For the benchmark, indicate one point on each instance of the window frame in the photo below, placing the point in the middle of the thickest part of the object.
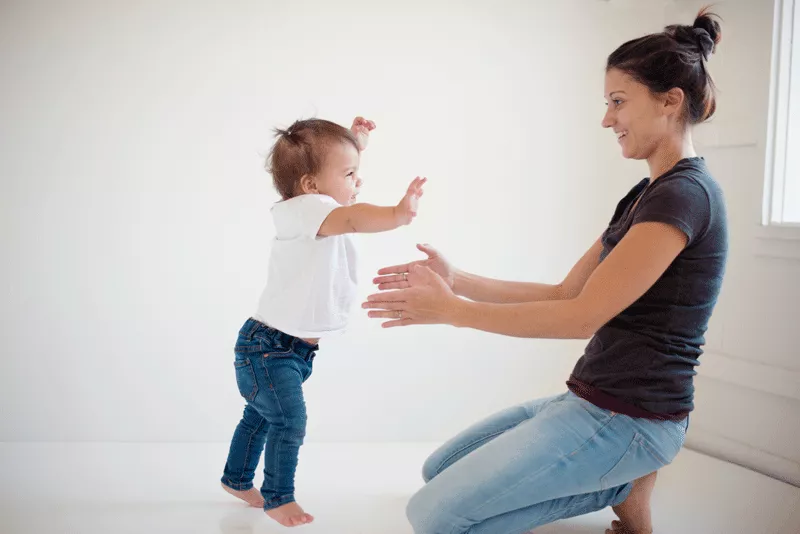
(785, 43)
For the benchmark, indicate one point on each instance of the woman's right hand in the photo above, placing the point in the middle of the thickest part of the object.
(396, 277)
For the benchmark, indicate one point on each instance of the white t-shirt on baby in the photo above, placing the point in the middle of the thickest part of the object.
(312, 282)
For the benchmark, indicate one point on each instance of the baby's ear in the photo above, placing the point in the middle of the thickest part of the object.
(308, 185)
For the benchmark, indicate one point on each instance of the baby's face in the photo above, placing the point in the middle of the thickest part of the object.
(339, 176)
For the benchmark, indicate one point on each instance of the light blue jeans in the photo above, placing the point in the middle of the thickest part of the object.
(536, 463)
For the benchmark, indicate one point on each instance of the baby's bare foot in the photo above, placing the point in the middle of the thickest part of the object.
(252, 496)
(290, 515)
(634, 511)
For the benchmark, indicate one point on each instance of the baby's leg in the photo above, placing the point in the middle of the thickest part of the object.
(243, 455)
(283, 406)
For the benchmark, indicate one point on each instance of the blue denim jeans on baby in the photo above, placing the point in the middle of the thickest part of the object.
(271, 367)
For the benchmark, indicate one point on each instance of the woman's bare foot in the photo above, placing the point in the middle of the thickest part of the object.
(252, 496)
(634, 511)
(290, 515)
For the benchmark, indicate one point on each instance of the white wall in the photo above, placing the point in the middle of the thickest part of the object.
(136, 231)
(748, 389)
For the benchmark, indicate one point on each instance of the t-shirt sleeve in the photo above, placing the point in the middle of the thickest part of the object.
(678, 201)
(303, 216)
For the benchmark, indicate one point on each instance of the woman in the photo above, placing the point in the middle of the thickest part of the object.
(643, 293)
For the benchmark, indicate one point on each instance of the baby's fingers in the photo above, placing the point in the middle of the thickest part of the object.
(416, 184)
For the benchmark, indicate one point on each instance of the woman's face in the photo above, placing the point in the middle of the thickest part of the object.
(640, 119)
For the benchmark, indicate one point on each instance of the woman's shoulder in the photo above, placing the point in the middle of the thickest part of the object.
(691, 177)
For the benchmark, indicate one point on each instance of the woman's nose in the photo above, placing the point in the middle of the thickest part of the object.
(607, 122)
(359, 181)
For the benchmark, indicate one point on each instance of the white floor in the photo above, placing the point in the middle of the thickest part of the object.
(350, 488)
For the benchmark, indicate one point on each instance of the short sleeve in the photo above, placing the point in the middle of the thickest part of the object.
(302, 216)
(678, 201)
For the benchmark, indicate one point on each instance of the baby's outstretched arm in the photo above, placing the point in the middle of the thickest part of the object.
(368, 218)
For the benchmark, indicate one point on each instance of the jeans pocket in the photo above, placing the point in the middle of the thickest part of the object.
(639, 460)
(246, 379)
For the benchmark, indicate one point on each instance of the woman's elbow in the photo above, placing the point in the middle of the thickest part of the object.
(586, 320)
(585, 330)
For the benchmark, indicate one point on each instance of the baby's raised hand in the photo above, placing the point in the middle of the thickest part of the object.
(361, 128)
(406, 210)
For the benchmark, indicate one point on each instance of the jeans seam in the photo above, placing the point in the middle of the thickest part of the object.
(283, 430)
(283, 499)
(655, 454)
(247, 450)
(275, 458)
(254, 390)
(637, 439)
(465, 447)
(564, 511)
(550, 466)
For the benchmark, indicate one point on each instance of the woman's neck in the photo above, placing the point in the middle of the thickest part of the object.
(669, 153)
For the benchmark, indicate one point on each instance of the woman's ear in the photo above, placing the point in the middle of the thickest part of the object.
(308, 185)
(673, 101)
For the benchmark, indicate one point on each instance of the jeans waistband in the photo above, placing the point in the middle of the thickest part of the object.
(302, 348)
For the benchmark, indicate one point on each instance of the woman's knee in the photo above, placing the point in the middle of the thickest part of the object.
(421, 515)
(429, 515)
(431, 468)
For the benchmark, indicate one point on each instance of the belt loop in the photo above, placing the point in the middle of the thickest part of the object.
(252, 330)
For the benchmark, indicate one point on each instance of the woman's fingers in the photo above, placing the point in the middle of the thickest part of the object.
(391, 278)
(391, 271)
(383, 305)
(427, 249)
(385, 286)
(395, 269)
(398, 322)
(383, 314)
(387, 273)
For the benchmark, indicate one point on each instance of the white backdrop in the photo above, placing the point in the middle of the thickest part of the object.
(135, 209)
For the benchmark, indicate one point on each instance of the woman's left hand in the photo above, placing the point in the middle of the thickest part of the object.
(427, 300)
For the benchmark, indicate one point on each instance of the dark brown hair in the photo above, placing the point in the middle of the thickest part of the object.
(673, 58)
(300, 150)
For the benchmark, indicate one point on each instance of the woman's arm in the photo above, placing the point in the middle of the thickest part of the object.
(481, 289)
(634, 265)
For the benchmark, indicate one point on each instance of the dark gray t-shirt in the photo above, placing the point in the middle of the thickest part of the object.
(641, 363)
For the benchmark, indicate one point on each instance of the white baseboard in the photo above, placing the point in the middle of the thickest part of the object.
(743, 376)
(702, 440)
